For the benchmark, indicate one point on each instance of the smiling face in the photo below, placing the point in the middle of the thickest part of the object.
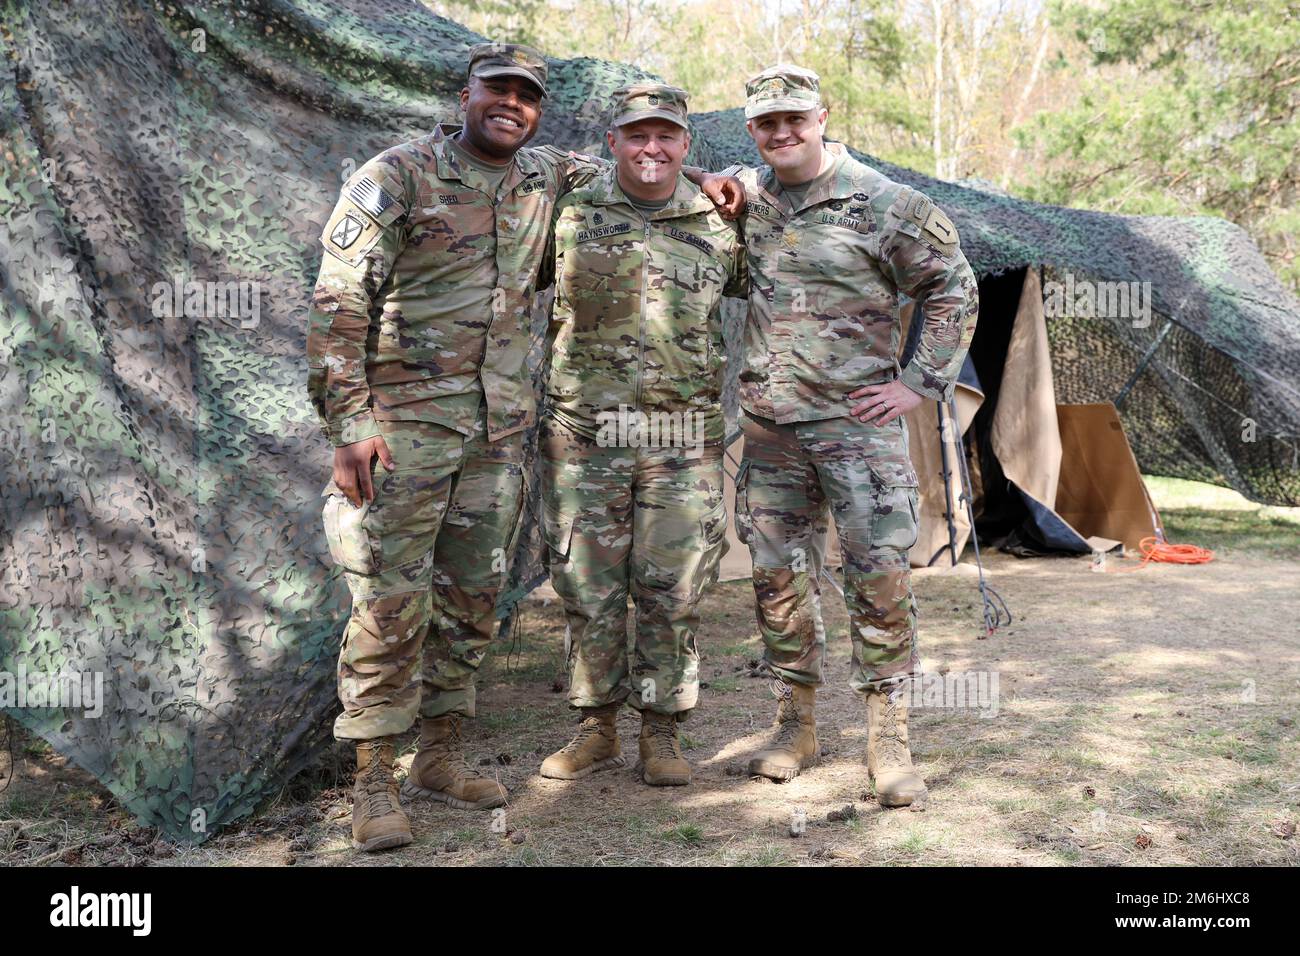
(649, 156)
(501, 114)
(791, 143)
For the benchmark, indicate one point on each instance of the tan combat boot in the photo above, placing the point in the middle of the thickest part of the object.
(439, 771)
(594, 747)
(662, 763)
(378, 822)
(889, 761)
(794, 748)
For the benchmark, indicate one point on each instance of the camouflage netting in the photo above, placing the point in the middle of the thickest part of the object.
(162, 468)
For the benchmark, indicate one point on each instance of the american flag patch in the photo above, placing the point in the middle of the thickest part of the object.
(371, 196)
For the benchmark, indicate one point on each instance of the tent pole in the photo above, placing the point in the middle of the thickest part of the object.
(1147, 356)
(946, 471)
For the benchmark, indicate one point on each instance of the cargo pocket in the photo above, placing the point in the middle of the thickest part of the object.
(557, 532)
(350, 543)
(744, 522)
(714, 525)
(516, 529)
(713, 528)
(894, 524)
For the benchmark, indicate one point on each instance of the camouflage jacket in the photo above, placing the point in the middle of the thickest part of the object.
(637, 320)
(421, 310)
(823, 306)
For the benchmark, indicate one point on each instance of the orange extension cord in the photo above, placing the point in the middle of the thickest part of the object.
(1153, 549)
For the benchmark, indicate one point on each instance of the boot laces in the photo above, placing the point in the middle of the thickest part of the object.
(891, 738)
(454, 753)
(788, 723)
(663, 738)
(376, 787)
(787, 715)
(590, 727)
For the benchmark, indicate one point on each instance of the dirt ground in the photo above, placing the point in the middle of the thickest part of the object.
(1143, 718)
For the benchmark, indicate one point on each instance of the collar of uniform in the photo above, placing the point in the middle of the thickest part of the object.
(449, 166)
(688, 199)
(839, 182)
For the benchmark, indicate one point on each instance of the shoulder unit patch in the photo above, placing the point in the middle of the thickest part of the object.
(934, 225)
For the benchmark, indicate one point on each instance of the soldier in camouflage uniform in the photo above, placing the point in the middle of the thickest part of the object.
(631, 441)
(418, 336)
(831, 243)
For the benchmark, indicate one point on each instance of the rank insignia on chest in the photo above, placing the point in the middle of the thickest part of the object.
(603, 232)
(598, 218)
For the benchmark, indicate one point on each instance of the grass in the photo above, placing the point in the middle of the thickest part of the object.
(749, 648)
(688, 834)
(36, 747)
(767, 856)
(27, 805)
(916, 840)
(1222, 519)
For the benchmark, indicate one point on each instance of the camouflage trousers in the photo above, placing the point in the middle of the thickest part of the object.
(793, 477)
(425, 561)
(649, 522)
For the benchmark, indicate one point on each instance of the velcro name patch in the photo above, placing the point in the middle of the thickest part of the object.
(698, 242)
(604, 232)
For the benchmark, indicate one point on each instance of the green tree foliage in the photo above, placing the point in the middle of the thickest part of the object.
(1177, 107)
(1182, 108)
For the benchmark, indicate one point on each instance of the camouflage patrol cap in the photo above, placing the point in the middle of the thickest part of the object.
(782, 88)
(508, 59)
(641, 101)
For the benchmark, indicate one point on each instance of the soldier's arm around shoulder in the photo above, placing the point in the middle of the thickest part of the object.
(552, 272)
(573, 170)
(361, 240)
(738, 275)
(921, 252)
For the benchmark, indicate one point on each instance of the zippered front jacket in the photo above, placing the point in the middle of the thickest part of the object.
(825, 280)
(637, 323)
